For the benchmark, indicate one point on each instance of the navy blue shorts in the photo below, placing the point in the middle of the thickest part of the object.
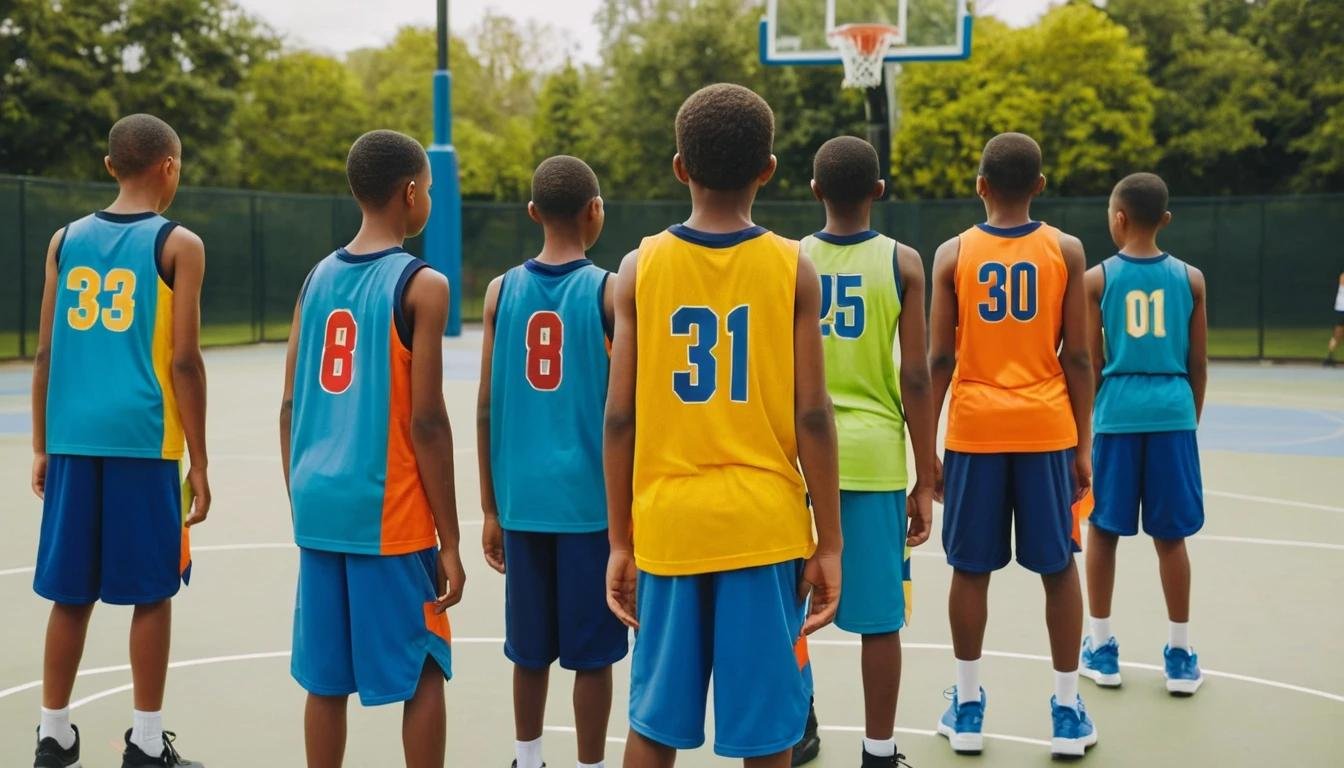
(111, 531)
(1156, 470)
(988, 495)
(555, 601)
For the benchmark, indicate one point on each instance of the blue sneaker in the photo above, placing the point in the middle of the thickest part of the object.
(962, 724)
(1074, 731)
(1182, 668)
(1101, 665)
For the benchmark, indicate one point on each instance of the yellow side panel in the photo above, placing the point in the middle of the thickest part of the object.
(163, 371)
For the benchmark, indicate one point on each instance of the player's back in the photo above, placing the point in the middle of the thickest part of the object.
(354, 482)
(1146, 306)
(716, 479)
(860, 311)
(110, 390)
(1009, 394)
(548, 389)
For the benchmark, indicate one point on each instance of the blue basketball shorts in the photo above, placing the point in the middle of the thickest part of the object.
(555, 601)
(988, 495)
(873, 562)
(1158, 471)
(738, 627)
(111, 531)
(366, 624)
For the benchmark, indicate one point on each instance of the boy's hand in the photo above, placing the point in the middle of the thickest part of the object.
(40, 475)
(1082, 474)
(621, 580)
(937, 479)
(919, 508)
(451, 578)
(821, 579)
(200, 488)
(492, 542)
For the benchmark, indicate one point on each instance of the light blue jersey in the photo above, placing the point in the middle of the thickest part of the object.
(110, 390)
(1146, 307)
(548, 390)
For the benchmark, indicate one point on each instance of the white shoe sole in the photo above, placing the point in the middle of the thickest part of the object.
(1073, 747)
(1105, 681)
(962, 743)
(1184, 687)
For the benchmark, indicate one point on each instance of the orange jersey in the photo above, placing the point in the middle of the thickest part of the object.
(1008, 392)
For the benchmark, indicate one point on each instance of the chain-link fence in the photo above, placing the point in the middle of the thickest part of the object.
(1272, 263)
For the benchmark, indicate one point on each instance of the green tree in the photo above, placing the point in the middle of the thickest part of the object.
(564, 116)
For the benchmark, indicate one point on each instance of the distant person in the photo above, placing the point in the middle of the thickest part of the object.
(544, 369)
(1152, 365)
(718, 395)
(872, 295)
(1009, 337)
(1338, 335)
(118, 387)
(368, 459)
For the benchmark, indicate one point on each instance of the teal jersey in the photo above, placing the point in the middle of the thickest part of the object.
(1146, 307)
(860, 313)
(110, 388)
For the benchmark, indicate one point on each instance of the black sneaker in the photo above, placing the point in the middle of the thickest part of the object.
(807, 748)
(893, 761)
(134, 757)
(50, 754)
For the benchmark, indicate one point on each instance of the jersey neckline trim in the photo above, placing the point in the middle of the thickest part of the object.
(125, 218)
(716, 239)
(854, 239)
(1022, 230)
(555, 270)
(364, 258)
(1141, 260)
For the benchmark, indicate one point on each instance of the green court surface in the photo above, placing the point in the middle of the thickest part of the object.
(1268, 573)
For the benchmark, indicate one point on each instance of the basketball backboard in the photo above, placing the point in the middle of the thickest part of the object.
(794, 31)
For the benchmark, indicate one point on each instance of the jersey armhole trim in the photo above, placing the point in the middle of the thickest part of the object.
(896, 270)
(499, 301)
(608, 323)
(404, 330)
(160, 240)
(65, 232)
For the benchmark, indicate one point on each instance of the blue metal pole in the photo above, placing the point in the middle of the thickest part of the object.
(443, 235)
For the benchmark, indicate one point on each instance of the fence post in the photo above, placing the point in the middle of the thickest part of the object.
(23, 268)
(258, 271)
(1260, 290)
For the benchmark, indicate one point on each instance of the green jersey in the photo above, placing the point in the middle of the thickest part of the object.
(860, 310)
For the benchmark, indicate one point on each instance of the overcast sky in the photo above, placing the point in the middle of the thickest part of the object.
(337, 26)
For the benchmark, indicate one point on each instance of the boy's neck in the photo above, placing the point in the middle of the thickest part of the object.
(851, 222)
(132, 198)
(720, 211)
(1007, 215)
(377, 233)
(562, 246)
(1142, 247)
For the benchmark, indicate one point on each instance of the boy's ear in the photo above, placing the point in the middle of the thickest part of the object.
(679, 169)
(408, 194)
(107, 163)
(1040, 186)
(769, 172)
(1165, 220)
(532, 212)
(981, 187)
(595, 208)
(816, 191)
(880, 189)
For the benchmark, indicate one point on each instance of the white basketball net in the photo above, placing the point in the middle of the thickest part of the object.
(862, 48)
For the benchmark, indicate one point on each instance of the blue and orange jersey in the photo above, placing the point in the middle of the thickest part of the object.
(110, 391)
(716, 479)
(1146, 306)
(548, 391)
(354, 482)
(1008, 393)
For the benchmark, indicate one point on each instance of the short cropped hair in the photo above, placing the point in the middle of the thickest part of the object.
(381, 163)
(562, 186)
(1143, 197)
(725, 134)
(846, 170)
(138, 142)
(1011, 163)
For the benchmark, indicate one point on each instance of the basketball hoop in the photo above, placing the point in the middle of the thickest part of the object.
(862, 48)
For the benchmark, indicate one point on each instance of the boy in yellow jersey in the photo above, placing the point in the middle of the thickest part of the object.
(118, 388)
(872, 292)
(717, 394)
(1010, 338)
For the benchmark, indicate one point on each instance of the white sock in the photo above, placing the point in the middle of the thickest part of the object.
(1101, 631)
(147, 732)
(1178, 635)
(528, 753)
(56, 725)
(968, 681)
(1066, 688)
(879, 747)
(602, 764)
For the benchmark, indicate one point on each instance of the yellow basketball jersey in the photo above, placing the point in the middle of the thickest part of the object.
(716, 479)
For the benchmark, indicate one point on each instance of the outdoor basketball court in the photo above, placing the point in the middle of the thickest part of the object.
(1269, 570)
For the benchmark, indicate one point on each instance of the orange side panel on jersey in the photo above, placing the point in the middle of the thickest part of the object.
(800, 652)
(408, 522)
(438, 623)
(1082, 510)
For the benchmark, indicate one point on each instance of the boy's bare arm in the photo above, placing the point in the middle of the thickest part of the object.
(1094, 282)
(431, 432)
(618, 447)
(42, 366)
(287, 398)
(1076, 360)
(1199, 341)
(492, 536)
(184, 255)
(943, 338)
(917, 394)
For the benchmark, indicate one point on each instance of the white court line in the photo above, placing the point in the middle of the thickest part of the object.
(1273, 500)
(1274, 542)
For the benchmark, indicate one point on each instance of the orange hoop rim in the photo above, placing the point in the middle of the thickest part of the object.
(866, 37)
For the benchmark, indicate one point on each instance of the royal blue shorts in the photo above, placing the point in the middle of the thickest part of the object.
(555, 601)
(1156, 470)
(988, 495)
(738, 627)
(873, 562)
(111, 531)
(366, 624)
